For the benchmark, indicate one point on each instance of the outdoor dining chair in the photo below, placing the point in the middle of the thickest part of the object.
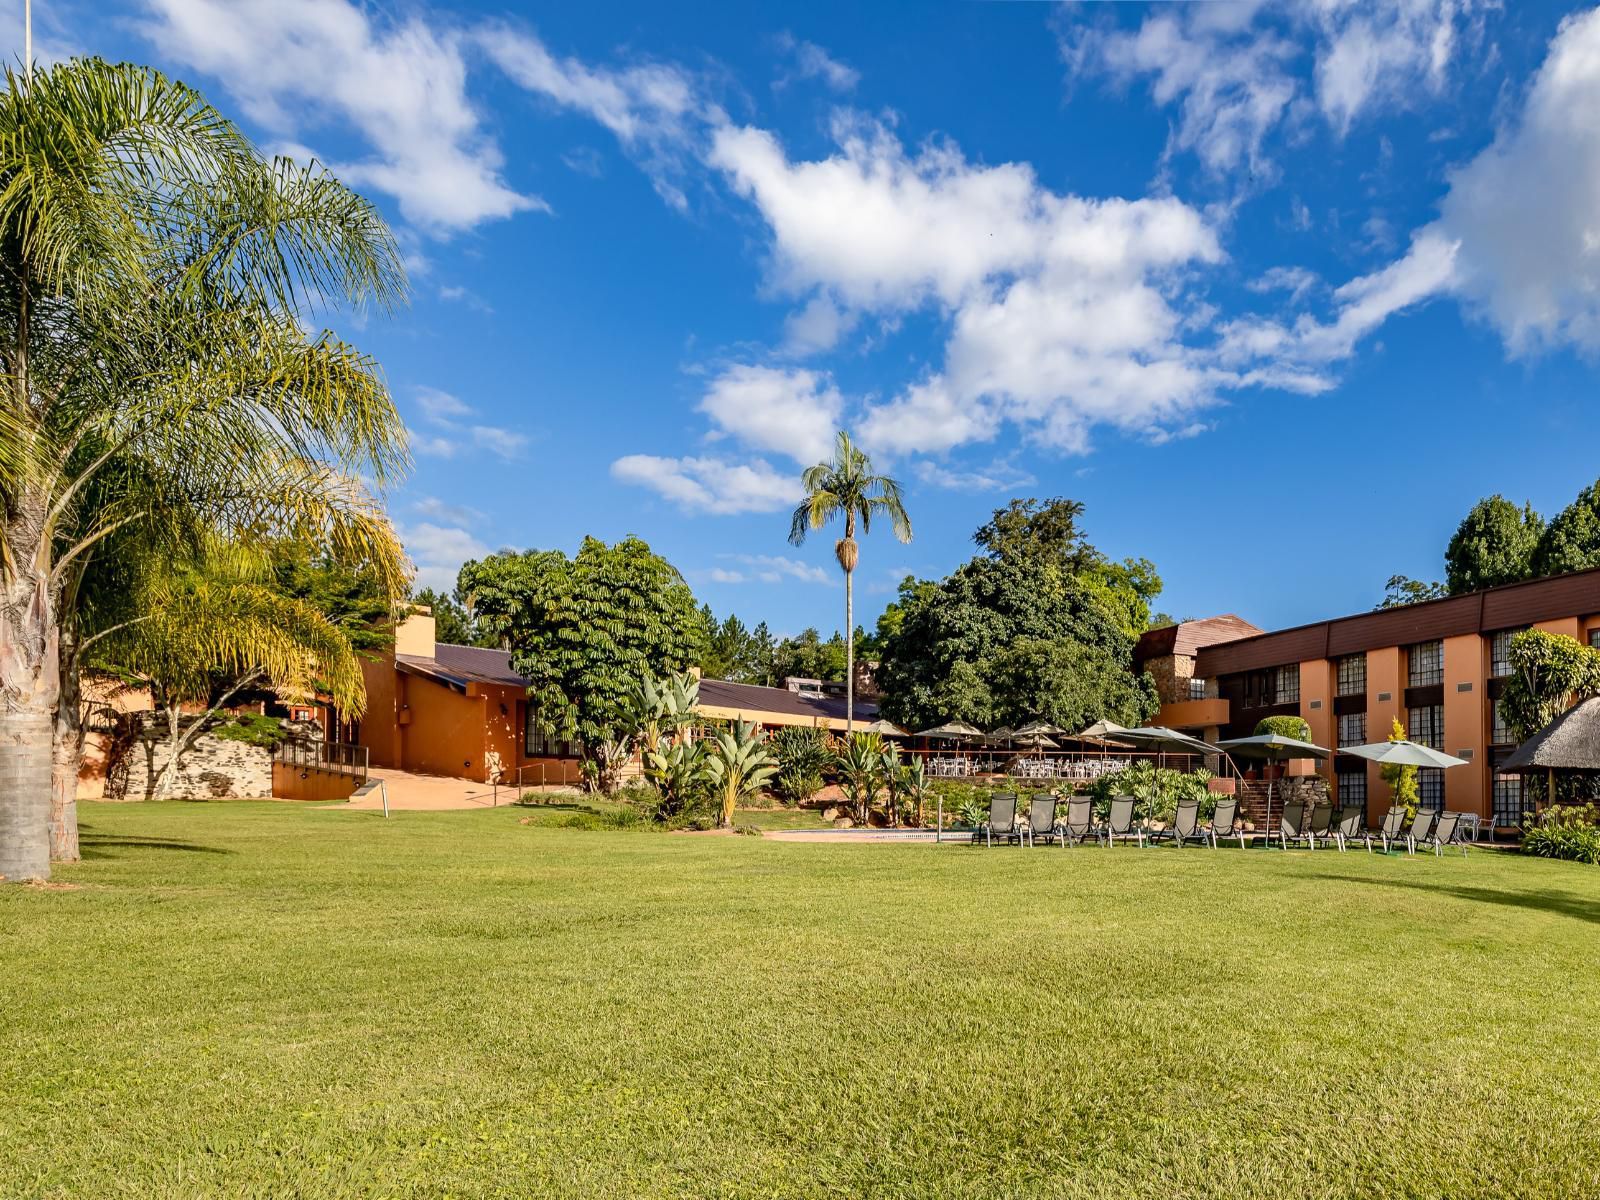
(1351, 826)
(1225, 822)
(1122, 822)
(1042, 818)
(1002, 819)
(1080, 820)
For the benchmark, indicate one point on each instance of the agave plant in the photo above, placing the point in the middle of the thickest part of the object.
(861, 771)
(739, 766)
(909, 787)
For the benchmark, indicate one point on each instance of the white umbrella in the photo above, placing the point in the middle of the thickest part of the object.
(1404, 754)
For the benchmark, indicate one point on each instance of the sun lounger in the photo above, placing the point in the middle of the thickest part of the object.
(1122, 822)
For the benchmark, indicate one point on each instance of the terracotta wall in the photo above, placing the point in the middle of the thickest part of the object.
(1316, 707)
(1466, 664)
(1385, 677)
(293, 783)
(379, 733)
(442, 731)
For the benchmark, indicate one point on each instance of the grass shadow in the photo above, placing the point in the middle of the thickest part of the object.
(99, 845)
(1565, 904)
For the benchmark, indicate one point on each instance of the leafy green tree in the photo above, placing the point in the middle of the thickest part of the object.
(739, 765)
(355, 598)
(205, 639)
(585, 631)
(1402, 590)
(846, 487)
(1572, 541)
(452, 624)
(1494, 544)
(1548, 672)
(809, 657)
(157, 278)
(802, 754)
(1285, 726)
(763, 651)
(911, 592)
(1039, 625)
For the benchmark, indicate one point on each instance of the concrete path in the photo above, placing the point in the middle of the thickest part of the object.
(409, 792)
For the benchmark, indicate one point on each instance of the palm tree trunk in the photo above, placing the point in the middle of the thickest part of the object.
(29, 687)
(67, 758)
(849, 653)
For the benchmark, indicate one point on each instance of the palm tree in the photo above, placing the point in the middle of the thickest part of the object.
(846, 486)
(157, 386)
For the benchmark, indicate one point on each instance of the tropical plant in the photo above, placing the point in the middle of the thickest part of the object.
(1564, 831)
(584, 631)
(205, 639)
(156, 279)
(739, 766)
(907, 782)
(1157, 789)
(679, 773)
(802, 754)
(1287, 726)
(1494, 544)
(664, 707)
(1548, 671)
(860, 767)
(846, 486)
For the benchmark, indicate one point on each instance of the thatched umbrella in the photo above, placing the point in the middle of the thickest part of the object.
(1569, 743)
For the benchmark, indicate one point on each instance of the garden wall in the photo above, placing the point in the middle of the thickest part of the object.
(211, 768)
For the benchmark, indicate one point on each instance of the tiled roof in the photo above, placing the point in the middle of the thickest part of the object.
(457, 666)
(1187, 637)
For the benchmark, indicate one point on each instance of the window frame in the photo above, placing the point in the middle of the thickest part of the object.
(1433, 675)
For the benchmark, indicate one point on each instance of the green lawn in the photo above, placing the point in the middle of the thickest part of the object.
(266, 1000)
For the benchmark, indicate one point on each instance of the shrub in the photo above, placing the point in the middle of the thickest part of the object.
(1157, 789)
(1570, 832)
(1289, 727)
(251, 728)
(802, 755)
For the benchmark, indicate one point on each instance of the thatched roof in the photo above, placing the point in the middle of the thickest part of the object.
(1569, 743)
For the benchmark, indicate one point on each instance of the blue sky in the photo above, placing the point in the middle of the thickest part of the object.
(1277, 291)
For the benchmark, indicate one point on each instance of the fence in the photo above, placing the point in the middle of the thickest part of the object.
(338, 758)
(1076, 765)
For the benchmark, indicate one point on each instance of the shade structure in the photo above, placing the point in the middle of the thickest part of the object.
(1045, 728)
(1101, 730)
(1036, 741)
(1004, 734)
(1164, 740)
(1273, 747)
(1569, 743)
(1404, 754)
(884, 729)
(958, 730)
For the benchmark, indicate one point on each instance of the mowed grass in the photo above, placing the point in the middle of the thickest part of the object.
(254, 1000)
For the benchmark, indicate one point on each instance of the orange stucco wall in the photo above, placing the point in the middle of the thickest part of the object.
(1316, 688)
(441, 731)
(378, 731)
(1466, 663)
(1383, 678)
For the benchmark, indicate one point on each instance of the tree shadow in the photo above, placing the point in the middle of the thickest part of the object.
(102, 845)
(1565, 904)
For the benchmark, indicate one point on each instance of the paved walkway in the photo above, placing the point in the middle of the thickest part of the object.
(410, 792)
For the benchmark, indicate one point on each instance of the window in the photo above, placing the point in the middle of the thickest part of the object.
(1353, 788)
(1353, 729)
(1507, 800)
(1594, 637)
(538, 744)
(1197, 689)
(1499, 731)
(1425, 726)
(1426, 661)
(1353, 675)
(1500, 653)
(1430, 787)
(1286, 684)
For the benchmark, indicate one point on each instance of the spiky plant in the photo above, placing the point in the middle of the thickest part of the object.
(860, 765)
(739, 765)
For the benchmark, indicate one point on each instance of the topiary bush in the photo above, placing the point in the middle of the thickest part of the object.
(1289, 727)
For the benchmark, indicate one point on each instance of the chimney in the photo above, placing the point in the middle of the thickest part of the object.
(414, 635)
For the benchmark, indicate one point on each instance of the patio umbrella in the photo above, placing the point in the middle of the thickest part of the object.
(1166, 741)
(1405, 754)
(1033, 727)
(1275, 748)
(1036, 741)
(1004, 734)
(957, 730)
(884, 729)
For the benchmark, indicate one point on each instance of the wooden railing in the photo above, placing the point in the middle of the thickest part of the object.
(338, 758)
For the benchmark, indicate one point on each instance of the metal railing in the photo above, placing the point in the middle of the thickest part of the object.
(339, 758)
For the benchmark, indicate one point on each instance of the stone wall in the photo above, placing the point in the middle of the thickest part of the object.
(1172, 673)
(211, 768)
(1309, 790)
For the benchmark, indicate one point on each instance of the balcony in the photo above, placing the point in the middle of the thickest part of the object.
(1193, 714)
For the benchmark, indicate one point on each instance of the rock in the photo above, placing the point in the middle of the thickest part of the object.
(843, 823)
(831, 813)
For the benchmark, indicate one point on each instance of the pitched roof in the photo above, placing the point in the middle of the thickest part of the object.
(1569, 743)
(753, 698)
(457, 666)
(1187, 637)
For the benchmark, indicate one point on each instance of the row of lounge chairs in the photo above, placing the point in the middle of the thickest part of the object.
(1429, 830)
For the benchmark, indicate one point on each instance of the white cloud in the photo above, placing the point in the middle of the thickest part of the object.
(457, 294)
(438, 552)
(780, 568)
(723, 575)
(402, 86)
(711, 485)
(1232, 69)
(816, 327)
(791, 411)
(442, 510)
(811, 61)
(453, 432)
(998, 476)
(1297, 281)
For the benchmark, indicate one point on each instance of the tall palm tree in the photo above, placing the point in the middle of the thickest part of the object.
(845, 486)
(157, 385)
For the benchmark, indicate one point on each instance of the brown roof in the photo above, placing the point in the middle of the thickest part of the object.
(1187, 637)
(753, 698)
(458, 666)
(1508, 606)
(1569, 743)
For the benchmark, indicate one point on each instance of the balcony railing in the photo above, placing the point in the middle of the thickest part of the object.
(338, 758)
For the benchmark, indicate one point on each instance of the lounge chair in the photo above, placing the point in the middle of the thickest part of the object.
(1352, 826)
(1041, 818)
(1185, 825)
(1002, 819)
(1225, 822)
(1321, 822)
(1122, 822)
(1389, 833)
(1421, 829)
(1445, 832)
(1292, 826)
(1080, 820)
